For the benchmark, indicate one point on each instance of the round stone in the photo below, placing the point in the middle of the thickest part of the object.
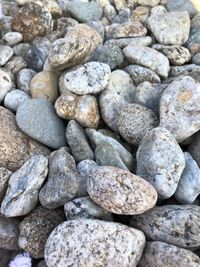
(14, 98)
(13, 38)
(6, 52)
(5, 84)
(24, 78)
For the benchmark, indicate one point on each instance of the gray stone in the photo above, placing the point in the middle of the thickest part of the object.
(123, 16)
(160, 161)
(24, 184)
(158, 10)
(196, 59)
(5, 84)
(150, 3)
(15, 64)
(38, 119)
(194, 148)
(4, 178)
(174, 224)
(133, 41)
(97, 25)
(42, 264)
(5, 256)
(24, 78)
(184, 70)
(194, 40)
(86, 243)
(6, 52)
(182, 5)
(14, 98)
(63, 180)
(13, 38)
(21, 49)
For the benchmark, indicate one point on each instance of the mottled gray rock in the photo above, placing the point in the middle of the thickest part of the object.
(160, 254)
(158, 10)
(160, 161)
(86, 242)
(38, 119)
(85, 208)
(179, 108)
(15, 64)
(24, 184)
(119, 191)
(21, 49)
(194, 148)
(170, 28)
(13, 38)
(134, 41)
(184, 70)
(148, 57)
(24, 78)
(14, 98)
(150, 3)
(140, 74)
(174, 224)
(181, 5)
(97, 25)
(4, 178)
(123, 16)
(63, 180)
(196, 59)
(5, 84)
(36, 228)
(5, 256)
(6, 52)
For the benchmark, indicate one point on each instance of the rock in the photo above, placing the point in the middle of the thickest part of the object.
(21, 49)
(160, 161)
(140, 74)
(14, 98)
(4, 178)
(189, 185)
(182, 5)
(85, 208)
(9, 233)
(174, 224)
(5, 256)
(6, 52)
(15, 64)
(120, 191)
(42, 264)
(150, 3)
(170, 28)
(119, 92)
(194, 147)
(148, 57)
(160, 254)
(5, 84)
(109, 15)
(45, 85)
(158, 10)
(83, 109)
(97, 25)
(184, 70)
(78, 142)
(179, 108)
(84, 11)
(24, 78)
(91, 78)
(140, 13)
(133, 41)
(36, 228)
(32, 20)
(86, 242)
(63, 180)
(135, 121)
(13, 38)
(38, 119)
(15, 144)
(193, 41)
(53, 8)
(196, 59)
(22, 194)
(123, 16)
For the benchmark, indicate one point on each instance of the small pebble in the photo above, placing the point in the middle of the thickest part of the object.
(14, 98)
(13, 38)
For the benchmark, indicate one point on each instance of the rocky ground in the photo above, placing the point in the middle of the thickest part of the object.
(99, 133)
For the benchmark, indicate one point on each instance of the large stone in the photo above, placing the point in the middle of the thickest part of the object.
(5, 84)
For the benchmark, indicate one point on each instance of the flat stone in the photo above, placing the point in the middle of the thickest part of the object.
(6, 52)
(86, 242)
(24, 78)
(24, 184)
(38, 119)
(182, 5)
(14, 98)
(5, 84)
(133, 41)
(150, 3)
(4, 178)
(13, 38)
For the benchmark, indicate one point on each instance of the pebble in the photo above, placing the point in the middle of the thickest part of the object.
(4, 178)
(36, 228)
(140, 13)
(194, 147)
(182, 5)
(13, 38)
(174, 224)
(37, 118)
(86, 242)
(196, 59)
(160, 161)
(14, 98)
(123, 16)
(179, 108)
(63, 180)
(15, 64)
(24, 184)
(148, 57)
(170, 28)
(150, 3)
(98, 26)
(5, 84)
(185, 70)
(133, 41)
(6, 52)
(158, 10)
(24, 78)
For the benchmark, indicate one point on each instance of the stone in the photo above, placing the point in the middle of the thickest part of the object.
(63, 180)
(119, 92)
(13, 38)
(15, 64)
(140, 74)
(160, 161)
(15, 144)
(21, 49)
(84, 11)
(194, 147)
(90, 78)
(53, 8)
(37, 118)
(24, 184)
(42, 264)
(189, 184)
(119, 4)
(14, 98)
(109, 15)
(158, 10)
(5, 84)
(86, 242)
(45, 85)
(5, 25)
(149, 58)
(98, 26)
(150, 3)
(187, 69)
(24, 78)
(193, 41)
(182, 5)
(133, 41)
(83, 109)
(6, 52)
(196, 59)
(135, 121)
(140, 13)
(4, 178)
(170, 28)
(123, 16)
(174, 224)
(36, 228)
(179, 108)
(32, 20)
(78, 142)
(160, 254)
(119, 191)
(85, 208)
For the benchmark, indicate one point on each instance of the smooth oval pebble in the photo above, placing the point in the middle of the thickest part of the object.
(13, 38)
(14, 98)
(94, 243)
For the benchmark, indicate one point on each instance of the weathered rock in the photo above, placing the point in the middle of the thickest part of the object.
(150, 3)
(182, 5)
(5, 84)
(22, 194)
(14, 98)
(97, 25)
(4, 178)
(6, 52)
(158, 10)
(196, 59)
(133, 41)
(24, 78)
(13, 38)
(86, 242)
(36, 228)
(140, 13)
(15, 64)
(184, 70)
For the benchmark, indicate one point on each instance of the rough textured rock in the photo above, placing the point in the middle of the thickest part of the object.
(181, 5)
(24, 78)
(160, 161)
(6, 52)
(36, 228)
(22, 194)
(5, 84)
(120, 191)
(13, 38)
(63, 180)
(4, 178)
(86, 242)
(14, 98)
(173, 224)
